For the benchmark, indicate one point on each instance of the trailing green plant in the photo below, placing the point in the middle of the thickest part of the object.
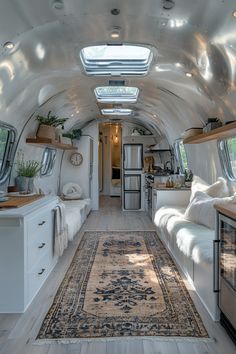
(188, 175)
(29, 168)
(51, 120)
(75, 134)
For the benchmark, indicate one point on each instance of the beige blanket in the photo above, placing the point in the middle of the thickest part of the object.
(60, 230)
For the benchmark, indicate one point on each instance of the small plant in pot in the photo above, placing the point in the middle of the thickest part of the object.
(47, 125)
(75, 134)
(188, 177)
(26, 172)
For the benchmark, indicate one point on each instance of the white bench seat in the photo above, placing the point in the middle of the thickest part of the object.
(192, 247)
(76, 212)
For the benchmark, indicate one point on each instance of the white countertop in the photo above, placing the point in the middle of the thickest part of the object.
(27, 209)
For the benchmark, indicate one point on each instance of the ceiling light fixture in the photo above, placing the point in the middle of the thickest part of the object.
(115, 139)
(115, 32)
(115, 12)
(168, 4)
(189, 74)
(8, 45)
(58, 4)
(234, 13)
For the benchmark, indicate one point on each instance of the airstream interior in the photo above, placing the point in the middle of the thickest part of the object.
(117, 144)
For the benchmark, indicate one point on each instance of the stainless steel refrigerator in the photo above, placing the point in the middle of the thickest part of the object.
(132, 169)
(133, 157)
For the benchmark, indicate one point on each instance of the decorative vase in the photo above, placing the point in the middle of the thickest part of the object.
(25, 184)
(58, 134)
(46, 131)
(188, 184)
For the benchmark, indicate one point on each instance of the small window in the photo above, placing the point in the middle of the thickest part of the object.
(181, 155)
(48, 161)
(7, 140)
(116, 59)
(117, 94)
(227, 150)
(117, 111)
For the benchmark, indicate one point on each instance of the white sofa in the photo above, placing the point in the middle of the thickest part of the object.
(191, 245)
(76, 212)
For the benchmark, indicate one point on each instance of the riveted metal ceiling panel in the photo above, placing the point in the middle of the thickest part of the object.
(44, 70)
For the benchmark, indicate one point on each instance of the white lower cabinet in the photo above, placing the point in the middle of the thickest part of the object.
(26, 253)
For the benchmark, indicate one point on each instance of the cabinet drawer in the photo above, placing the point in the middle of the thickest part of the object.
(40, 237)
(40, 223)
(39, 248)
(38, 274)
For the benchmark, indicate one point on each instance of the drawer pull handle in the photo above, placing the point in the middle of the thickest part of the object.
(42, 245)
(42, 271)
(42, 223)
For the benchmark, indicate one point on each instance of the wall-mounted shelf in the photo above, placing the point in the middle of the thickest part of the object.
(50, 143)
(226, 131)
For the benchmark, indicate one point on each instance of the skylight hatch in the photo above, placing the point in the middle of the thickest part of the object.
(117, 94)
(116, 60)
(117, 111)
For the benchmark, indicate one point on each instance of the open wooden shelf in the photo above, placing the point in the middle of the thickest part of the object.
(50, 143)
(226, 131)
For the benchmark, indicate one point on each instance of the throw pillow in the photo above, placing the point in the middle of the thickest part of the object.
(218, 189)
(201, 209)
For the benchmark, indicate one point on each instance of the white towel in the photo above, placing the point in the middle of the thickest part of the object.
(60, 230)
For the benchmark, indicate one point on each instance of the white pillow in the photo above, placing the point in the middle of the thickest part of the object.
(72, 191)
(218, 189)
(201, 209)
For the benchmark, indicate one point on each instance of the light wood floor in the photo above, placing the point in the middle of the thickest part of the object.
(17, 332)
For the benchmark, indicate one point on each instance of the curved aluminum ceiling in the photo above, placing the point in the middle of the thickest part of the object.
(44, 71)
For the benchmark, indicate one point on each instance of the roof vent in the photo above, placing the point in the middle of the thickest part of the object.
(121, 94)
(116, 59)
(117, 111)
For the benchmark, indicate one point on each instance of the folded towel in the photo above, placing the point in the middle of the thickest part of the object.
(60, 230)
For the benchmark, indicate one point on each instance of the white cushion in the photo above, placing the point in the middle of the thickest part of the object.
(72, 191)
(193, 240)
(218, 189)
(201, 209)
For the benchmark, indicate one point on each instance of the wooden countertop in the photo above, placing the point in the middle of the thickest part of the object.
(227, 209)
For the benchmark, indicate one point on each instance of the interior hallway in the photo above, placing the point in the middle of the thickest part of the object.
(17, 332)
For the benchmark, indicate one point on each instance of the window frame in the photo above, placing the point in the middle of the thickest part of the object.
(48, 162)
(179, 156)
(225, 159)
(8, 156)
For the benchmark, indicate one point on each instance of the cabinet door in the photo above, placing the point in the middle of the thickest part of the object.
(132, 200)
(227, 230)
(132, 182)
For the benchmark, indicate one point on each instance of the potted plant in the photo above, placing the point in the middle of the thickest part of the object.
(26, 172)
(75, 134)
(47, 125)
(188, 177)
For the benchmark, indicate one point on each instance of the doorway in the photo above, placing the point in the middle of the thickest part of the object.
(110, 143)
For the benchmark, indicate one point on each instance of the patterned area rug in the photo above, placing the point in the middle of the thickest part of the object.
(121, 284)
